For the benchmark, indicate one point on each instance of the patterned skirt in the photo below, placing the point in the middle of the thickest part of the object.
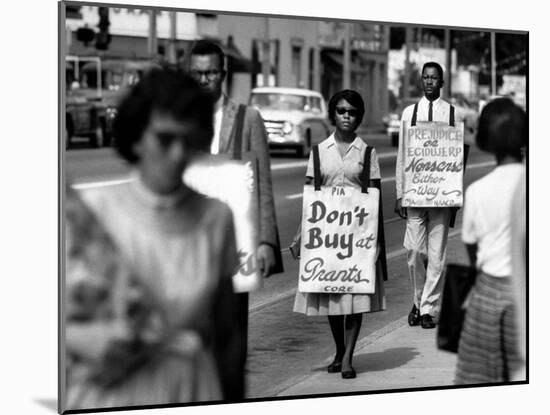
(320, 304)
(487, 351)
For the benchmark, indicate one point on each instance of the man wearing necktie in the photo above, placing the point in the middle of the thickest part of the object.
(207, 66)
(427, 228)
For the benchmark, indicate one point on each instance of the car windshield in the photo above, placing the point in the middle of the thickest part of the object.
(112, 80)
(284, 102)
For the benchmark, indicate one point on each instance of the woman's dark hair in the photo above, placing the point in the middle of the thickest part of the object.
(502, 129)
(167, 91)
(353, 98)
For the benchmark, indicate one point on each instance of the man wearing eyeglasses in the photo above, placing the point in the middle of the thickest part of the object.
(206, 65)
(427, 228)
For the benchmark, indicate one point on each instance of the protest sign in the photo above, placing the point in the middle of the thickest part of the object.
(234, 183)
(433, 164)
(339, 240)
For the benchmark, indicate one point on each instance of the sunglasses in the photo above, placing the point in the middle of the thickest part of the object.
(351, 111)
(210, 74)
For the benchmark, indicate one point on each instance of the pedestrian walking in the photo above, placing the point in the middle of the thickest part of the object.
(427, 228)
(488, 347)
(341, 158)
(239, 129)
(181, 248)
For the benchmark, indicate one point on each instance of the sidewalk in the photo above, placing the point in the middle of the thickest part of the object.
(396, 356)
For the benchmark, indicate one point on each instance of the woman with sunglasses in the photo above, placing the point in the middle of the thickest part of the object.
(341, 158)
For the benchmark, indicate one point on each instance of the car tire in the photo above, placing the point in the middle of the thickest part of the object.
(395, 139)
(97, 138)
(107, 139)
(69, 131)
(304, 150)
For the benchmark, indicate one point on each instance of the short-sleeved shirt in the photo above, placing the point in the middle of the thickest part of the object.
(343, 171)
(488, 218)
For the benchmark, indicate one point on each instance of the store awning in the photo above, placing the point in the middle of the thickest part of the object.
(236, 61)
(338, 58)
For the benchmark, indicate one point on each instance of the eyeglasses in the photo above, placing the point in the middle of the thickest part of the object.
(210, 74)
(351, 111)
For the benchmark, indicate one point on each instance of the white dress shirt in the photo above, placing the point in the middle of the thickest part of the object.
(218, 115)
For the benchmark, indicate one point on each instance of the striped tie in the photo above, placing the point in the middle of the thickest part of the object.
(430, 115)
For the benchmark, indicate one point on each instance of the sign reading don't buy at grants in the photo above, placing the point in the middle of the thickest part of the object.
(433, 164)
(339, 240)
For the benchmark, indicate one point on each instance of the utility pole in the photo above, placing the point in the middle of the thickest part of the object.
(317, 61)
(172, 42)
(493, 64)
(346, 76)
(152, 40)
(266, 64)
(407, 76)
(448, 63)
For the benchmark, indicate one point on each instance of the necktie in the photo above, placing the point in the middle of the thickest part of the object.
(430, 115)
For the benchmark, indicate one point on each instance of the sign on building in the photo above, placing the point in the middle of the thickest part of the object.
(433, 164)
(339, 240)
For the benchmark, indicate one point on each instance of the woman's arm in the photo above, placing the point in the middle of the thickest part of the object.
(91, 340)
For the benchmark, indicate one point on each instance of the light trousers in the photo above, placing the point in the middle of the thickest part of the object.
(426, 245)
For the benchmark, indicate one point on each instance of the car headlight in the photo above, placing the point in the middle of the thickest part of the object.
(287, 127)
(111, 112)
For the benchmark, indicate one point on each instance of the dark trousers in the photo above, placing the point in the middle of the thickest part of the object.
(242, 315)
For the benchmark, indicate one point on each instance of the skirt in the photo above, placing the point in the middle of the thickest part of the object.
(487, 350)
(320, 304)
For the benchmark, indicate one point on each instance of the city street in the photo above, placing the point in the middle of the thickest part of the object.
(285, 346)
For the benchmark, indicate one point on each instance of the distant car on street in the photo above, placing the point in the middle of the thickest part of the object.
(294, 118)
(392, 121)
(94, 89)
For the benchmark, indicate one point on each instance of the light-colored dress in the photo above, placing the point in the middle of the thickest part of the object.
(182, 250)
(342, 171)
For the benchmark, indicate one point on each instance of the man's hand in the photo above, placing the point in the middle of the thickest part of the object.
(266, 259)
(400, 210)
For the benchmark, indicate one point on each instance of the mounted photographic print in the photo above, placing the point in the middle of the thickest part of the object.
(188, 143)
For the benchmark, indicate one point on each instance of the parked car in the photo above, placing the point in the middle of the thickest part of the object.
(294, 118)
(95, 88)
(392, 121)
(468, 110)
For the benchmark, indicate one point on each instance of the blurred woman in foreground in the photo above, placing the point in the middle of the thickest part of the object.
(180, 247)
(488, 349)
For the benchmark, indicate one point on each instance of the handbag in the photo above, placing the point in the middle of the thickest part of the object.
(459, 279)
(294, 246)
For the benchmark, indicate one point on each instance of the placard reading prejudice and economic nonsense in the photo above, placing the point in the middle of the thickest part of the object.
(339, 240)
(233, 182)
(433, 164)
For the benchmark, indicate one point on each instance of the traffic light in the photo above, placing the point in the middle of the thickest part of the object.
(103, 37)
(85, 35)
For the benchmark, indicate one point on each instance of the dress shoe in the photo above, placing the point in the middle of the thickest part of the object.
(334, 367)
(414, 316)
(427, 321)
(349, 374)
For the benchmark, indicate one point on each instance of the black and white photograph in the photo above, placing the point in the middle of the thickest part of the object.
(283, 210)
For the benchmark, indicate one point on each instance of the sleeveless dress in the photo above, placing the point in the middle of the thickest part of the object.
(342, 171)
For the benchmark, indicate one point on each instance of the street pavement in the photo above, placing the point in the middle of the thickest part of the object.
(396, 356)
